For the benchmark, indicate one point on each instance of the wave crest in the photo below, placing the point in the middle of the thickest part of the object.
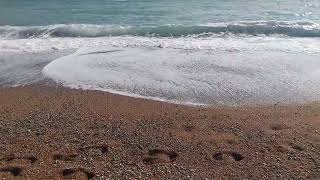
(264, 28)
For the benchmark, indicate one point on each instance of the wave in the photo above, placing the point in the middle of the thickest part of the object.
(261, 28)
(230, 44)
(191, 77)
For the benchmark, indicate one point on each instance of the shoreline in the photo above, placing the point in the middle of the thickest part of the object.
(56, 132)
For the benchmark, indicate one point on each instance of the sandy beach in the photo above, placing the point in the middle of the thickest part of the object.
(50, 132)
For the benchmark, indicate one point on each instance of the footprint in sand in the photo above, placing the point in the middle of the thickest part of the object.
(9, 171)
(291, 147)
(77, 173)
(97, 150)
(156, 156)
(12, 157)
(297, 147)
(88, 151)
(64, 157)
(225, 155)
(279, 127)
(188, 128)
(80, 173)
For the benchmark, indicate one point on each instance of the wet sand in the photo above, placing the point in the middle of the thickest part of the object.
(51, 132)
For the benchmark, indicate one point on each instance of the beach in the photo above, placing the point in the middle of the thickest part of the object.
(52, 132)
(171, 89)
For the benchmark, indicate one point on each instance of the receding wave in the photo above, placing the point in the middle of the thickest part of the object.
(264, 28)
(196, 77)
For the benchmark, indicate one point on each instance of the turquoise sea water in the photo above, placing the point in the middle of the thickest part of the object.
(153, 12)
(190, 51)
(163, 18)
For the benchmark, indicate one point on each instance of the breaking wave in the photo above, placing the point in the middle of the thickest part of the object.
(261, 28)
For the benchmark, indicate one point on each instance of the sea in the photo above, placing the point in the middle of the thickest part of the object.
(196, 52)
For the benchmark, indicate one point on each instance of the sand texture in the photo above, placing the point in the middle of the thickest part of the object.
(53, 133)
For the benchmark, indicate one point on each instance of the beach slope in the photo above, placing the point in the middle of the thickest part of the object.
(54, 132)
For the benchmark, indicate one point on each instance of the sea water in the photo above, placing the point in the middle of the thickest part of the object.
(226, 52)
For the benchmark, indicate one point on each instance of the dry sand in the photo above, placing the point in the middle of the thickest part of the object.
(54, 132)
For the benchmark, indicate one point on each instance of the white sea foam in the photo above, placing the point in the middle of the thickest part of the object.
(192, 76)
(277, 44)
(200, 70)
